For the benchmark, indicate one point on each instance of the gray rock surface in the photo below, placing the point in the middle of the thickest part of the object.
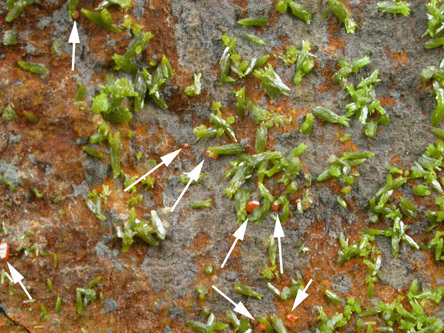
(395, 48)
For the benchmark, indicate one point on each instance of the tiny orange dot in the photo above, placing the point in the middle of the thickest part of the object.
(75, 15)
(186, 145)
(291, 318)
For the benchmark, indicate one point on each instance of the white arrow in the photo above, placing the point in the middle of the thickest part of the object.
(301, 295)
(239, 234)
(17, 277)
(166, 159)
(279, 233)
(74, 39)
(194, 176)
(239, 307)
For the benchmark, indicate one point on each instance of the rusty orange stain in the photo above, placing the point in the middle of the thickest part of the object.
(400, 57)
(335, 43)
(395, 160)
(327, 72)
(200, 242)
(387, 101)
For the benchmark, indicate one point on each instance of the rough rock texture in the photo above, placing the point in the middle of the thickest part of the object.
(154, 287)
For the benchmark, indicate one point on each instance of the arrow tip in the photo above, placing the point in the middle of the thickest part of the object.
(16, 276)
(195, 173)
(240, 308)
(240, 233)
(74, 36)
(300, 297)
(278, 232)
(168, 158)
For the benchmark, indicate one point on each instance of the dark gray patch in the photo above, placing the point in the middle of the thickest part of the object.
(102, 249)
(96, 171)
(110, 305)
(32, 158)
(81, 189)
(139, 9)
(341, 283)
(13, 139)
(11, 171)
(394, 271)
(30, 49)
